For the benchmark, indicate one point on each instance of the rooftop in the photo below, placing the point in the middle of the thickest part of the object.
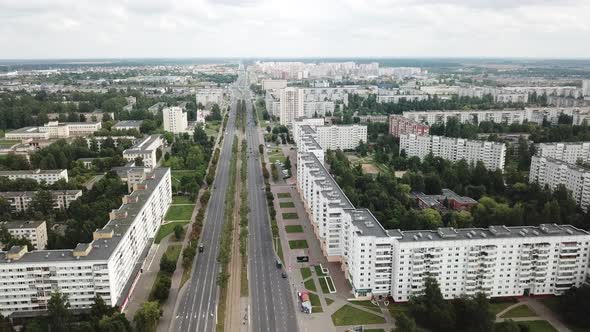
(32, 171)
(22, 224)
(128, 123)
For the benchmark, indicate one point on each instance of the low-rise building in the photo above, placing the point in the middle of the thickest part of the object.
(49, 176)
(492, 154)
(34, 231)
(146, 149)
(20, 201)
(274, 84)
(108, 266)
(209, 96)
(448, 199)
(399, 125)
(55, 129)
(128, 125)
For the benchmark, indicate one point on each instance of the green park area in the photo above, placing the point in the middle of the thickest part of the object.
(349, 315)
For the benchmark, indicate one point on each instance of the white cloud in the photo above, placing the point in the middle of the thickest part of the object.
(294, 28)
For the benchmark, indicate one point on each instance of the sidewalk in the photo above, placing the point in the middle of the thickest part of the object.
(543, 313)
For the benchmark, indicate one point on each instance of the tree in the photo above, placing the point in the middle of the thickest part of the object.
(403, 323)
(117, 322)
(99, 308)
(162, 288)
(287, 164)
(473, 314)
(167, 265)
(146, 318)
(58, 312)
(507, 326)
(138, 161)
(574, 306)
(34, 325)
(42, 202)
(430, 309)
(178, 232)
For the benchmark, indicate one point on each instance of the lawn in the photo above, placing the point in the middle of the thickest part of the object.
(276, 154)
(298, 244)
(496, 308)
(180, 212)
(522, 310)
(7, 143)
(367, 304)
(181, 200)
(374, 330)
(538, 326)
(319, 272)
(331, 286)
(279, 248)
(284, 195)
(315, 300)
(310, 285)
(173, 251)
(553, 304)
(305, 272)
(396, 308)
(212, 128)
(328, 300)
(287, 204)
(167, 229)
(294, 229)
(324, 285)
(176, 175)
(290, 215)
(349, 315)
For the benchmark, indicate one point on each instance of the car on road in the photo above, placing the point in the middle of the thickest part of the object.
(284, 274)
(201, 247)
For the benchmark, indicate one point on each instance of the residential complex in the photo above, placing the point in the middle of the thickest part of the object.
(146, 149)
(34, 231)
(399, 125)
(55, 129)
(128, 125)
(108, 266)
(492, 154)
(397, 98)
(499, 95)
(571, 153)
(509, 116)
(274, 84)
(20, 201)
(500, 261)
(49, 176)
(209, 96)
(175, 120)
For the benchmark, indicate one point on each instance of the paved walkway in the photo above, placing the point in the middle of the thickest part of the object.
(543, 313)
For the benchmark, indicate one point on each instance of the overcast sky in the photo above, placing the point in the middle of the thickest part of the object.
(299, 28)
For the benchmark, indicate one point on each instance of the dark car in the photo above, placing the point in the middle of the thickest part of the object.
(284, 274)
(201, 247)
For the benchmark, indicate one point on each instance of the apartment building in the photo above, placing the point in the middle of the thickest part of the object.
(146, 149)
(338, 94)
(20, 201)
(500, 261)
(99, 140)
(399, 125)
(310, 122)
(499, 95)
(128, 125)
(34, 231)
(344, 137)
(318, 108)
(291, 105)
(586, 88)
(553, 172)
(492, 154)
(209, 96)
(397, 98)
(274, 84)
(567, 152)
(49, 176)
(107, 266)
(175, 120)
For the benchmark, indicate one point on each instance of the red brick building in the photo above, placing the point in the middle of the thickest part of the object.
(398, 125)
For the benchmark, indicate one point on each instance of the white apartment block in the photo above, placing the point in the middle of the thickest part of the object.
(492, 154)
(272, 102)
(564, 151)
(397, 98)
(55, 129)
(341, 137)
(209, 96)
(146, 149)
(48, 176)
(107, 266)
(586, 88)
(21, 200)
(274, 84)
(291, 105)
(34, 231)
(500, 261)
(100, 139)
(339, 94)
(499, 95)
(553, 172)
(318, 108)
(175, 119)
(560, 91)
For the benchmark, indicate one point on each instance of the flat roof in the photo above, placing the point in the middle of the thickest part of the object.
(25, 130)
(32, 193)
(128, 123)
(32, 171)
(22, 224)
(492, 232)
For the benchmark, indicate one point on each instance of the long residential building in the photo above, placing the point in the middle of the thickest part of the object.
(108, 266)
(571, 153)
(146, 149)
(55, 129)
(346, 137)
(492, 154)
(553, 172)
(499, 261)
(21, 200)
(49, 176)
(580, 115)
(398, 125)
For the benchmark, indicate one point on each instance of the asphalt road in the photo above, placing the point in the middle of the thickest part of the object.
(271, 300)
(196, 308)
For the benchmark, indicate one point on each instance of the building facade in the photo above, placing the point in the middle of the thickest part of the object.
(49, 176)
(146, 149)
(399, 125)
(20, 201)
(492, 154)
(291, 105)
(34, 231)
(175, 120)
(346, 137)
(107, 266)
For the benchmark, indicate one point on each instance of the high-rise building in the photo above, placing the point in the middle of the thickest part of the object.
(175, 120)
(35, 231)
(586, 88)
(398, 125)
(291, 106)
(147, 150)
